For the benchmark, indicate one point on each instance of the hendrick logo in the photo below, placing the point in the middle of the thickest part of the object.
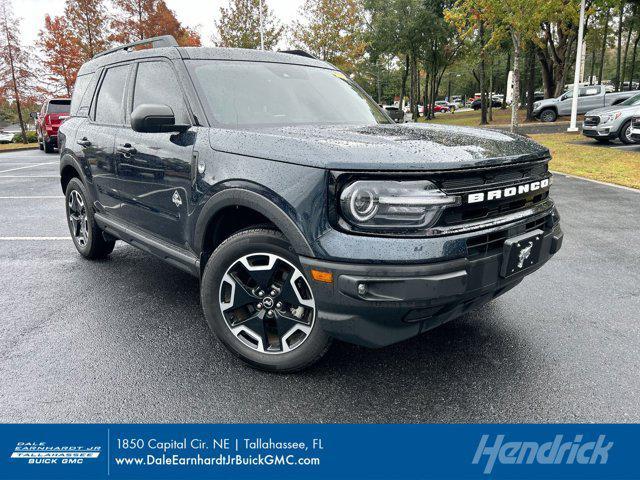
(550, 453)
(507, 192)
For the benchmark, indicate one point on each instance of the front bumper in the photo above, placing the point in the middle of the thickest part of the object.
(404, 300)
(601, 131)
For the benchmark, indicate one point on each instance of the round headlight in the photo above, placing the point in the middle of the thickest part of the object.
(363, 205)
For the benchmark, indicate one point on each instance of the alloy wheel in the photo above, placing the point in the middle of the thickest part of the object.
(78, 218)
(267, 303)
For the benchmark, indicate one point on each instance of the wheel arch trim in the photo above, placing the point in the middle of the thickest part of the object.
(68, 160)
(242, 197)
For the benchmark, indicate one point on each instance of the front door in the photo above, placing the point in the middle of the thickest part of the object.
(155, 169)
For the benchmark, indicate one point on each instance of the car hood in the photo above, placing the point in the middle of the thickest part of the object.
(379, 147)
(613, 108)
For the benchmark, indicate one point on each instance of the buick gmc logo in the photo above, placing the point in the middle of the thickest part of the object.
(507, 192)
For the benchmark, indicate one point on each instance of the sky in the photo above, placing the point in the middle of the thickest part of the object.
(198, 14)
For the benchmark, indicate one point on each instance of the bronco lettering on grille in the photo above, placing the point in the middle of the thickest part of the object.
(507, 192)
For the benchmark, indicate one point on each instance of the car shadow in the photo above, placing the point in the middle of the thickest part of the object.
(453, 373)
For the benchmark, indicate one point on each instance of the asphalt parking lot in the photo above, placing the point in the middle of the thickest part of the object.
(124, 340)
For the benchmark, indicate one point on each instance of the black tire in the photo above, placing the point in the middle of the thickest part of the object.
(623, 135)
(48, 148)
(237, 246)
(548, 115)
(94, 246)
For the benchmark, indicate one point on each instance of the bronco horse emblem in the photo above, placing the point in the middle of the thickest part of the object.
(524, 254)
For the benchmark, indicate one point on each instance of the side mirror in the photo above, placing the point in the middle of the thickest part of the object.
(34, 115)
(151, 118)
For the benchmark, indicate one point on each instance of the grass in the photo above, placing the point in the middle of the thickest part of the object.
(16, 146)
(575, 155)
(472, 118)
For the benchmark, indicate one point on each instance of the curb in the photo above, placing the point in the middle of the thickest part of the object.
(17, 149)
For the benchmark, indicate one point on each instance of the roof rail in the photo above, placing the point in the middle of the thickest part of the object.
(300, 53)
(156, 42)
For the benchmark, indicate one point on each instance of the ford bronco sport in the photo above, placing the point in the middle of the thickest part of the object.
(306, 212)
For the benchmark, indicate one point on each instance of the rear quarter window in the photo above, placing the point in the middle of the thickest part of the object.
(82, 94)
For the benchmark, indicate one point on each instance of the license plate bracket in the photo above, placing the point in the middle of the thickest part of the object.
(521, 252)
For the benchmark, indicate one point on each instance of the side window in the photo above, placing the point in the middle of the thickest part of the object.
(110, 103)
(82, 94)
(589, 91)
(156, 83)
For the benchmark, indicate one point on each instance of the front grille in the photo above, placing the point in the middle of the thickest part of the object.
(591, 121)
(462, 183)
(491, 243)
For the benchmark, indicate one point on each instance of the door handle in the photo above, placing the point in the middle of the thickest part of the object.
(84, 142)
(126, 149)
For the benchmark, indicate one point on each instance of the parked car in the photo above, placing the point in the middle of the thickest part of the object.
(443, 106)
(495, 103)
(396, 114)
(589, 98)
(6, 137)
(53, 112)
(608, 123)
(306, 213)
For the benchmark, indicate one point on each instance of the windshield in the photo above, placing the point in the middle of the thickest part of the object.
(240, 94)
(59, 106)
(635, 100)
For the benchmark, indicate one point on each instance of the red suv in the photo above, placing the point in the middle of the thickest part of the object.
(53, 113)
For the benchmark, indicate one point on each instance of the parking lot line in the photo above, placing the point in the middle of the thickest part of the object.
(24, 197)
(17, 239)
(29, 176)
(28, 166)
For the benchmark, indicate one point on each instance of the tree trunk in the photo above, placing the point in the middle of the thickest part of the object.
(604, 44)
(624, 57)
(378, 84)
(506, 78)
(483, 96)
(491, 90)
(593, 62)
(14, 84)
(633, 61)
(516, 81)
(531, 78)
(619, 49)
(403, 86)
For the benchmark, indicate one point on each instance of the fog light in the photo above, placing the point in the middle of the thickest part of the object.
(362, 289)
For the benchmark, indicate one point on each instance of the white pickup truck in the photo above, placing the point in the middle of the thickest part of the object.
(589, 97)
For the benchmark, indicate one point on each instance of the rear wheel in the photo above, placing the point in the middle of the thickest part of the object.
(48, 148)
(86, 235)
(260, 305)
(625, 133)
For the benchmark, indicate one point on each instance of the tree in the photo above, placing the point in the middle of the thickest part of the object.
(15, 72)
(239, 25)
(140, 19)
(331, 30)
(62, 55)
(87, 21)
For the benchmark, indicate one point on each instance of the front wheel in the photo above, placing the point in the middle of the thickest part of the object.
(548, 115)
(625, 133)
(259, 303)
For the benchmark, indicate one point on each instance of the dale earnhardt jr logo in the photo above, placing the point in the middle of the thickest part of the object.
(507, 192)
(41, 453)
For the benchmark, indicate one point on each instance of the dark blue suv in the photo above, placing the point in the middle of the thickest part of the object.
(306, 212)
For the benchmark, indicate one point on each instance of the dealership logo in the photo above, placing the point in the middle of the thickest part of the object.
(41, 453)
(507, 192)
(555, 452)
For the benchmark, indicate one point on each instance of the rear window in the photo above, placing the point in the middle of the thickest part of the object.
(59, 106)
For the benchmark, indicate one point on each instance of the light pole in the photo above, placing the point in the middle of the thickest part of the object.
(573, 127)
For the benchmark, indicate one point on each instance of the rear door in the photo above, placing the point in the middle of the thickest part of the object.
(155, 169)
(97, 136)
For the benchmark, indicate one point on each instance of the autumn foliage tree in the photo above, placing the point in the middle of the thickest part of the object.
(239, 25)
(15, 72)
(63, 56)
(332, 30)
(139, 19)
(88, 21)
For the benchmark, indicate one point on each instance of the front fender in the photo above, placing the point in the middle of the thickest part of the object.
(244, 197)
